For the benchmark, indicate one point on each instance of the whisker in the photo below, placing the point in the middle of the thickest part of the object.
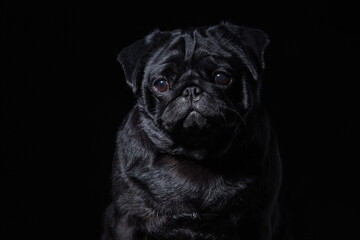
(237, 113)
(223, 116)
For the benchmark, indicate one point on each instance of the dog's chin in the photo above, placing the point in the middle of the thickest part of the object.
(196, 132)
(194, 122)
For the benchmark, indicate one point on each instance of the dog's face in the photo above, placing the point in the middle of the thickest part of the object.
(197, 86)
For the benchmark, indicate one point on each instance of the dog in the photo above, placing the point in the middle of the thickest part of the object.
(196, 157)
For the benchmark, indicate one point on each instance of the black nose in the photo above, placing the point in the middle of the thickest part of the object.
(192, 92)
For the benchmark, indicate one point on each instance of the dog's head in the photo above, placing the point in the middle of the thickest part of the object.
(195, 87)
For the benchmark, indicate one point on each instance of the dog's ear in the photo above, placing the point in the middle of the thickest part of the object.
(131, 59)
(255, 42)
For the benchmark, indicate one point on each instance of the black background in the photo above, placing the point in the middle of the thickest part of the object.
(63, 97)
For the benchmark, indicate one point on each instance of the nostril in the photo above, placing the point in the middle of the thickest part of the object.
(186, 92)
(192, 91)
(196, 91)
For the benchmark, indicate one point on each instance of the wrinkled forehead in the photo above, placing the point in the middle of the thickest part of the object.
(187, 46)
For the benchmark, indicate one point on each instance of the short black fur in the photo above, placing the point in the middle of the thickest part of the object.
(199, 160)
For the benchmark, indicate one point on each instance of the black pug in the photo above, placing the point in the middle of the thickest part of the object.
(196, 157)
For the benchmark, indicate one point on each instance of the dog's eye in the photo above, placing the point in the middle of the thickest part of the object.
(222, 79)
(161, 85)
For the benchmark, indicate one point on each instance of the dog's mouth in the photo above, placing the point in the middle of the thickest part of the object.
(194, 120)
(193, 123)
(197, 125)
(196, 130)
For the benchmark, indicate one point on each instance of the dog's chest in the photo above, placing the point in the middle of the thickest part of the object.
(193, 203)
(179, 186)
